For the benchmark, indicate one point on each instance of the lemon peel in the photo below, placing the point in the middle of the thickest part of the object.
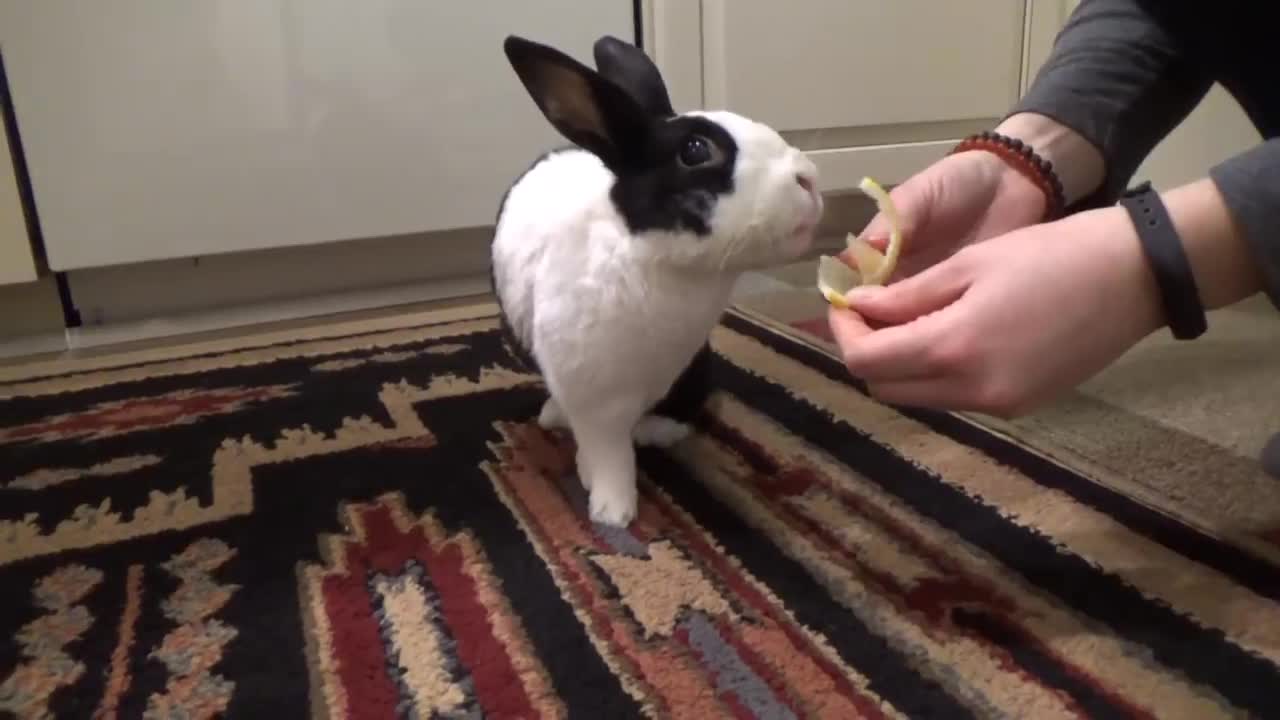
(836, 278)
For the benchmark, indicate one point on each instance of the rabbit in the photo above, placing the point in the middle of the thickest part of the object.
(613, 258)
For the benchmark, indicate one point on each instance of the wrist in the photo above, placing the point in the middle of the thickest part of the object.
(1017, 168)
(1139, 289)
(1003, 175)
(1194, 251)
(1216, 249)
(1009, 182)
(1078, 163)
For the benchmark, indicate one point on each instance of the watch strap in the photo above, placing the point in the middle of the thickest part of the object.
(1184, 314)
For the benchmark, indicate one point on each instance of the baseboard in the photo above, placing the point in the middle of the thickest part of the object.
(275, 311)
(41, 344)
(133, 293)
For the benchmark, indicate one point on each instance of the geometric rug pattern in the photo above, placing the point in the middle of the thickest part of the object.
(373, 525)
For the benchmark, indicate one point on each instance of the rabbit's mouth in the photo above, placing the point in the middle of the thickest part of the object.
(807, 226)
(801, 238)
(809, 223)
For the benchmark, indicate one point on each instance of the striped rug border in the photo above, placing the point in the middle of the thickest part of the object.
(1239, 675)
(1212, 514)
(1243, 567)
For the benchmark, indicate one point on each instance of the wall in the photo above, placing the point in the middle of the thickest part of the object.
(30, 313)
(1215, 131)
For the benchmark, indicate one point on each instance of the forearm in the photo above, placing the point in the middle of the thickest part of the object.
(1217, 247)
(1114, 85)
(1248, 185)
(1229, 225)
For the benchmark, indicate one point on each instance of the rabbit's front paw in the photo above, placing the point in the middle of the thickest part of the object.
(552, 417)
(612, 504)
(659, 431)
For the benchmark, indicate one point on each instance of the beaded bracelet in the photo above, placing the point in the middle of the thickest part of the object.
(1026, 161)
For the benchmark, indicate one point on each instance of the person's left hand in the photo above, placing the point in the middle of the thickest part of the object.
(1005, 325)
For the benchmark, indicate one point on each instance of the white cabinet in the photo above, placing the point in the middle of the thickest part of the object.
(831, 64)
(164, 130)
(868, 87)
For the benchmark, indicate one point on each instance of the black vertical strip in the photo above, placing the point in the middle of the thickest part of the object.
(637, 17)
(26, 194)
(1202, 654)
(70, 313)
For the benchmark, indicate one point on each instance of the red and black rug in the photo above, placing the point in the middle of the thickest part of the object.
(368, 523)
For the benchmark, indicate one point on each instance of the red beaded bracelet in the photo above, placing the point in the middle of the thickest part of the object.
(1023, 159)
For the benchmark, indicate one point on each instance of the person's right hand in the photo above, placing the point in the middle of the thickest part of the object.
(960, 200)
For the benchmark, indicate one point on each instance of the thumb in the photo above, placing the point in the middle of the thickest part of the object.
(915, 296)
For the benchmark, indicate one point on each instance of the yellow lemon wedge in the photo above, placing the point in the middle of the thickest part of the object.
(836, 278)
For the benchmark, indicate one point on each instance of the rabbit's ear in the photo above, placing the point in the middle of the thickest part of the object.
(581, 104)
(629, 67)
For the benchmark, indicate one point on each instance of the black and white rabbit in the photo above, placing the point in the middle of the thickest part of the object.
(613, 259)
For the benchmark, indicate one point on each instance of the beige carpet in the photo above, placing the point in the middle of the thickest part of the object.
(1176, 425)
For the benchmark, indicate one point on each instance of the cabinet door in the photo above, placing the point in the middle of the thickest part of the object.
(875, 87)
(176, 129)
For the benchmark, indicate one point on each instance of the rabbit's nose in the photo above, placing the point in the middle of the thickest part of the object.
(805, 181)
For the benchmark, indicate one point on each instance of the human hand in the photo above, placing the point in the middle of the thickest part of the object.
(1005, 325)
(960, 200)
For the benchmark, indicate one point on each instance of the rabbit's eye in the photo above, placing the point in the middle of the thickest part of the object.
(695, 151)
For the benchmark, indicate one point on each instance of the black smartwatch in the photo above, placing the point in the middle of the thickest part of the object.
(1184, 314)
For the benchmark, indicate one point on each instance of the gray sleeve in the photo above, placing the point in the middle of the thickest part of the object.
(1120, 80)
(1250, 186)
(1116, 77)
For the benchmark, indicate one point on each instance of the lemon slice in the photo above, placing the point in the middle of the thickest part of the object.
(868, 259)
(879, 269)
(836, 278)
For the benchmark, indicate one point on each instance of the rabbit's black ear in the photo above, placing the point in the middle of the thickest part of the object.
(629, 67)
(585, 107)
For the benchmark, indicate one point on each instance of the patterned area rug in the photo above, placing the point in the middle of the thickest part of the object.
(1177, 425)
(366, 522)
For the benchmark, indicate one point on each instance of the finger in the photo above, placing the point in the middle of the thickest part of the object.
(846, 326)
(915, 350)
(915, 296)
(955, 391)
(874, 236)
(949, 393)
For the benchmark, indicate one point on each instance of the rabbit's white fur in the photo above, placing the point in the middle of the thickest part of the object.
(613, 318)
